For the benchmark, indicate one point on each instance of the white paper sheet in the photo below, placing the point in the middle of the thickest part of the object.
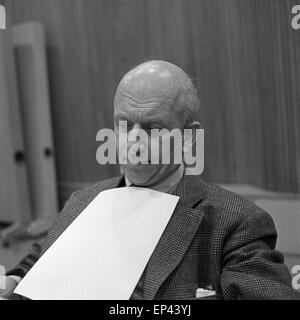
(103, 253)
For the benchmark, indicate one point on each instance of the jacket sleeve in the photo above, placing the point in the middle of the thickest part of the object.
(27, 262)
(35, 251)
(251, 267)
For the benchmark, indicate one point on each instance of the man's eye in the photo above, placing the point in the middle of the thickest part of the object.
(129, 126)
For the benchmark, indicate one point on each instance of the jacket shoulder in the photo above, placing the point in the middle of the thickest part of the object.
(229, 207)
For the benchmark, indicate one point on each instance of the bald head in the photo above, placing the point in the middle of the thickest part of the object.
(153, 79)
(161, 82)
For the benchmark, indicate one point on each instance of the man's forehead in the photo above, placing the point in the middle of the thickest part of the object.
(153, 111)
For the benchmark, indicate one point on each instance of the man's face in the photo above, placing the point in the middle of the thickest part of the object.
(154, 113)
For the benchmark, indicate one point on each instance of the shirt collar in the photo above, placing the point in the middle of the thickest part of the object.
(168, 184)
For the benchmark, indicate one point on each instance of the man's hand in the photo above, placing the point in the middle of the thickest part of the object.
(7, 290)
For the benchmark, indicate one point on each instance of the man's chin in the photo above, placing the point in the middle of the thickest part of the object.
(140, 174)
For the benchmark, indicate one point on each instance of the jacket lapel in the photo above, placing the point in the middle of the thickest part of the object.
(177, 236)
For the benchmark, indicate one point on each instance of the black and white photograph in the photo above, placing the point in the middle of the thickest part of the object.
(150, 150)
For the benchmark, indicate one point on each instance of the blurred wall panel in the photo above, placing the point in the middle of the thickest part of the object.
(243, 54)
(14, 191)
(32, 71)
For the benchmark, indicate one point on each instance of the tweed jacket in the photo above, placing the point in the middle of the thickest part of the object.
(214, 240)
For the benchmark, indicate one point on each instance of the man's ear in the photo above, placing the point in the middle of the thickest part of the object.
(190, 135)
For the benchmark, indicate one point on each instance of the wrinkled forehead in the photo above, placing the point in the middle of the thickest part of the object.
(152, 81)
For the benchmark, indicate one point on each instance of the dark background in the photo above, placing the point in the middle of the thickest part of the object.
(244, 56)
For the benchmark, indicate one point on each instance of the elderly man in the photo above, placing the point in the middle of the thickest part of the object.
(215, 240)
